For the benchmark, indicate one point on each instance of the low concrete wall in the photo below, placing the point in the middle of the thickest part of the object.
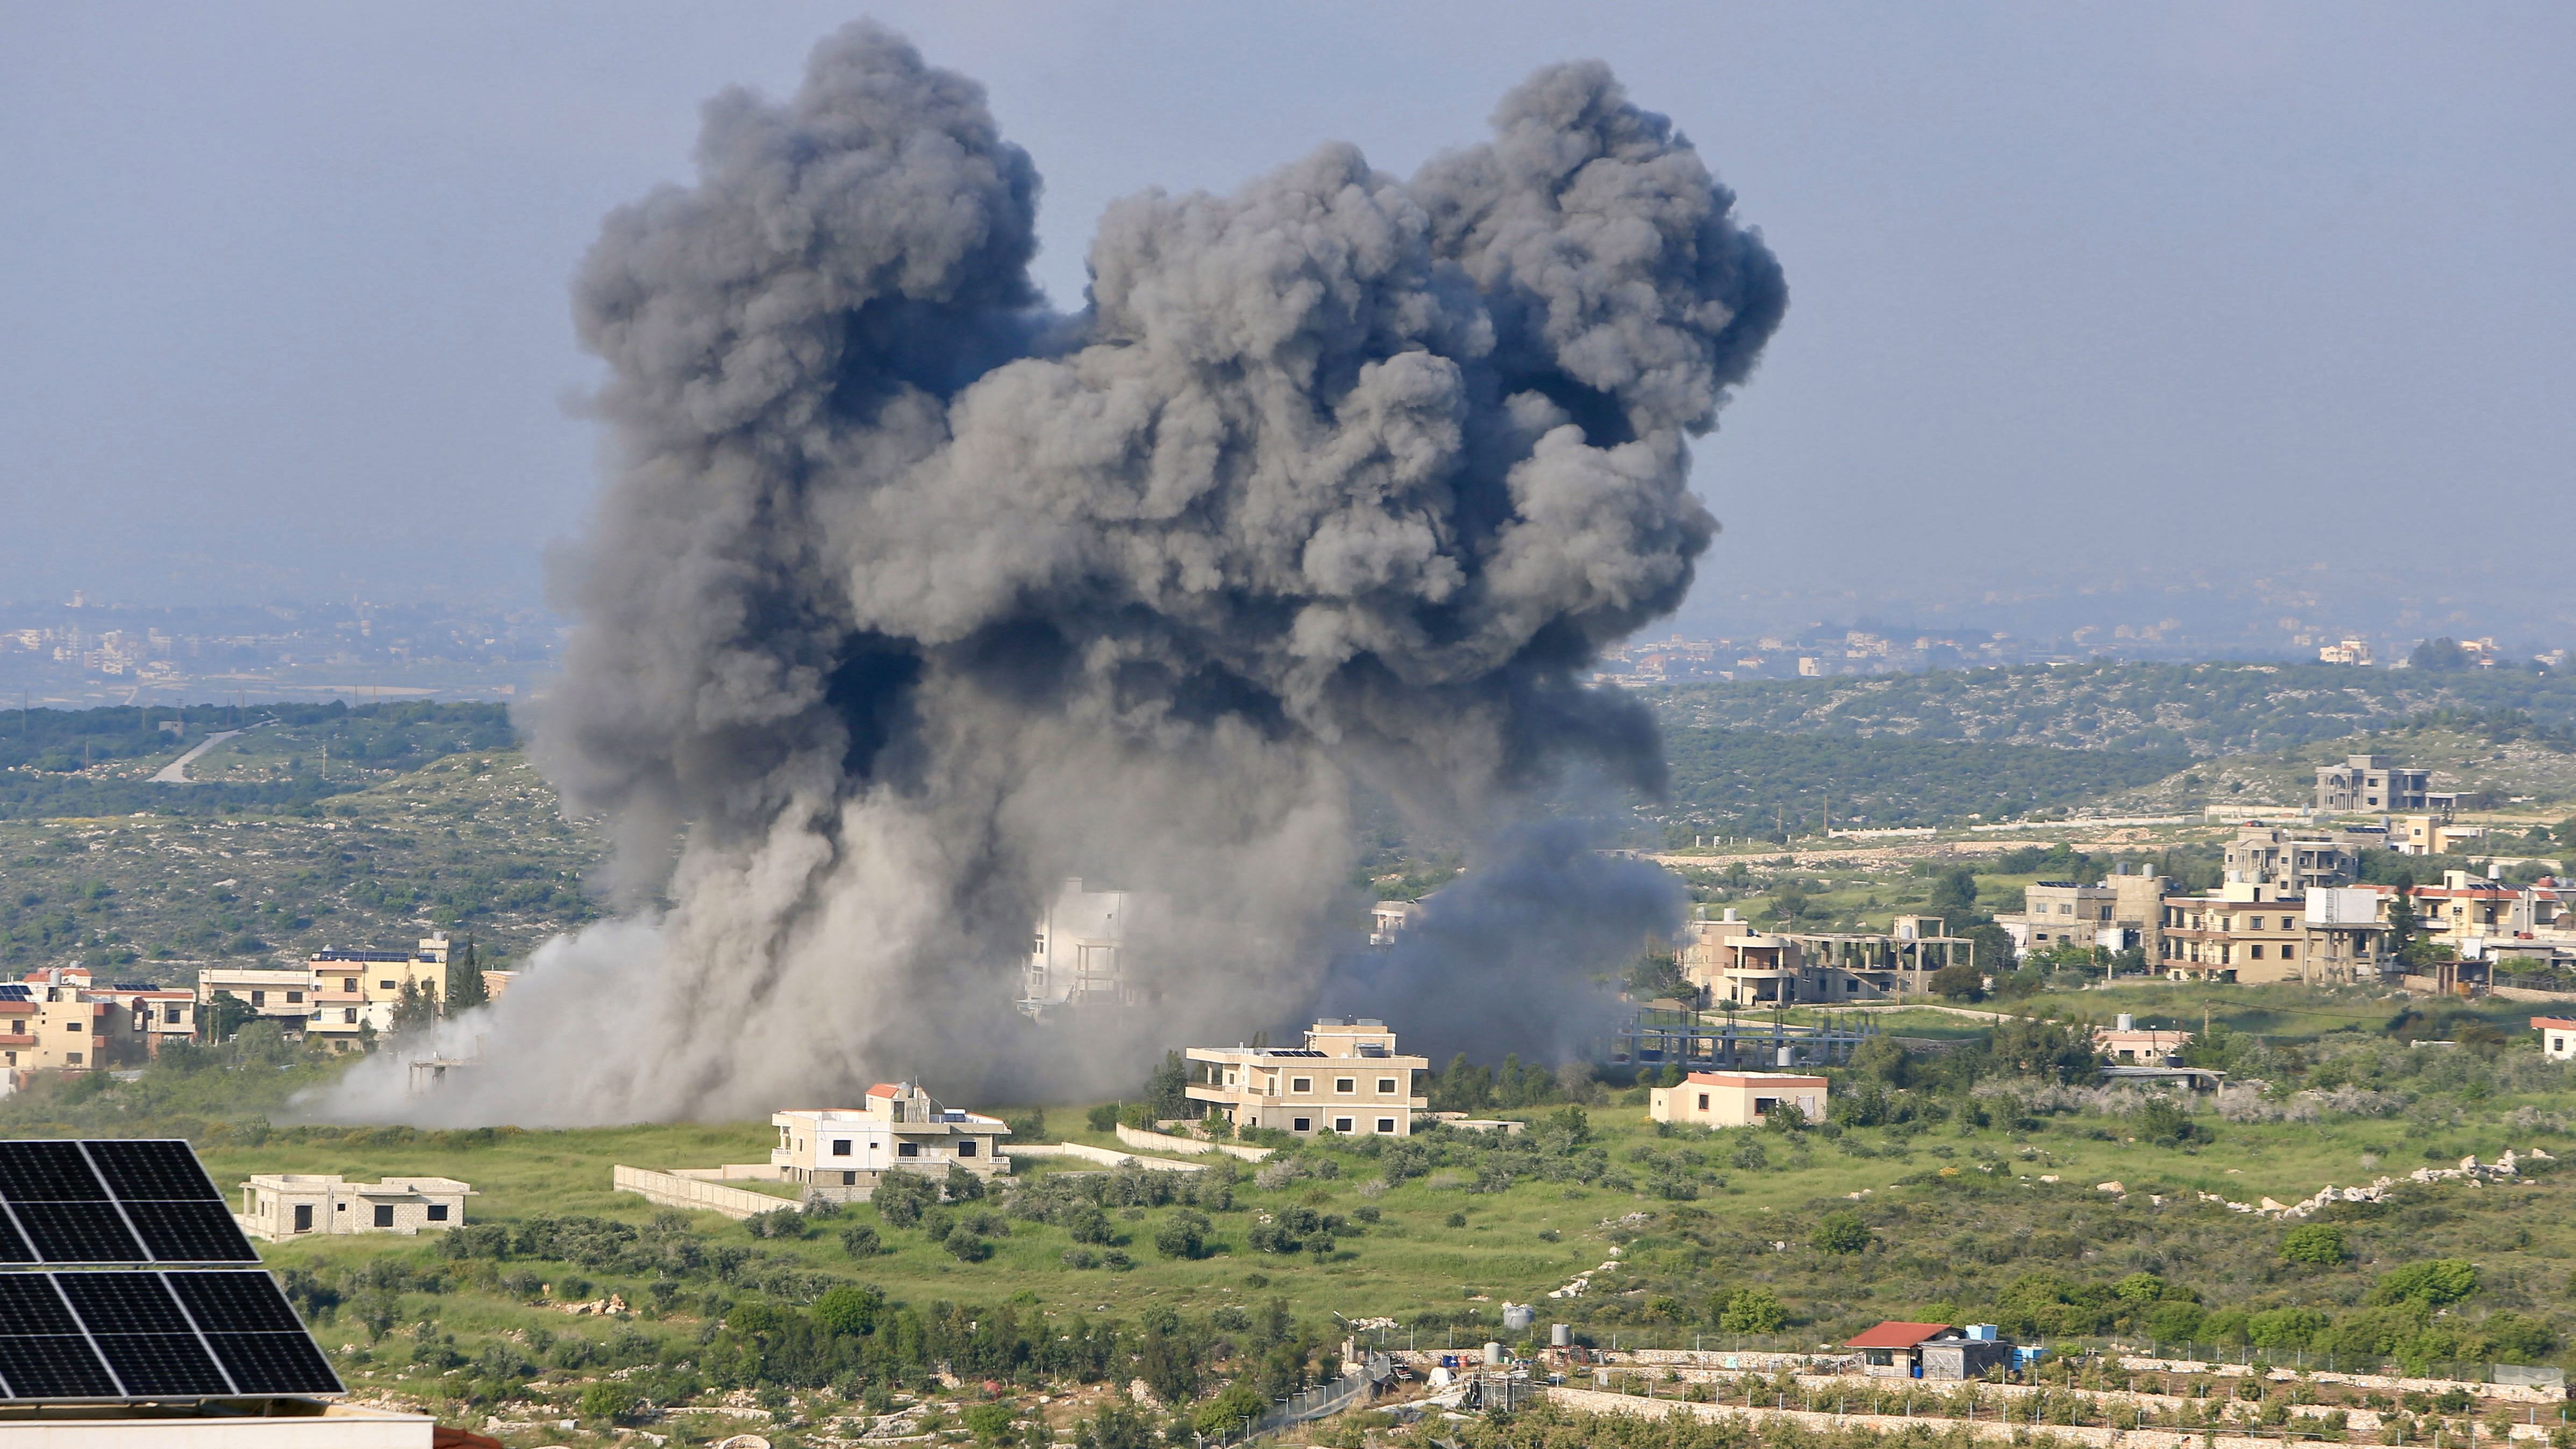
(1194, 1146)
(2526, 993)
(2384, 1383)
(1106, 1157)
(734, 1172)
(1595, 1401)
(673, 1190)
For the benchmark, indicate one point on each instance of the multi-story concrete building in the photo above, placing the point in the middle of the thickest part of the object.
(336, 997)
(1347, 1079)
(1734, 965)
(2292, 862)
(840, 1153)
(1078, 949)
(281, 1205)
(283, 994)
(2371, 783)
(2124, 910)
(353, 992)
(2244, 932)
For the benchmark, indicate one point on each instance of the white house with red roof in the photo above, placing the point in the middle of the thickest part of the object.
(2557, 1037)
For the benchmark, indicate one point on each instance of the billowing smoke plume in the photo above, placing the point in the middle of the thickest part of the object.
(907, 599)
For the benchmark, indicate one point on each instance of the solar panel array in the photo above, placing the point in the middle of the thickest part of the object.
(139, 1333)
(136, 1201)
(209, 1333)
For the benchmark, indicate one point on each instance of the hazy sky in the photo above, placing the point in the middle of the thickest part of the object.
(2227, 288)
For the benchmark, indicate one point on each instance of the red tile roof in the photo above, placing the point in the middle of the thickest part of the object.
(2543, 1023)
(1897, 1335)
(885, 1089)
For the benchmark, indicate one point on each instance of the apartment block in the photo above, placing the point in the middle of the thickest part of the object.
(2291, 862)
(2370, 782)
(1347, 1079)
(336, 996)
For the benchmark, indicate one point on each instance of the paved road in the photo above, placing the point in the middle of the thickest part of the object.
(176, 772)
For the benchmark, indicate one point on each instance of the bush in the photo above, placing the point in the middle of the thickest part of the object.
(968, 1247)
(848, 1309)
(990, 1423)
(1752, 1310)
(961, 1185)
(2163, 1122)
(613, 1401)
(1183, 1235)
(902, 1196)
(2319, 1244)
(860, 1241)
(2433, 1281)
(1080, 1258)
(1841, 1232)
(1089, 1225)
(1103, 1118)
(784, 1222)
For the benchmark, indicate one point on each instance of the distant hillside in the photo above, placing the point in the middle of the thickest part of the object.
(1746, 782)
(2202, 709)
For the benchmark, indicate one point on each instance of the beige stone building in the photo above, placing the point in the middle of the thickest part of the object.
(277, 1206)
(1736, 1099)
(1347, 1079)
(2364, 784)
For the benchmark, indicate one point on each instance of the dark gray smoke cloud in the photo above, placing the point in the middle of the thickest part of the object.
(907, 598)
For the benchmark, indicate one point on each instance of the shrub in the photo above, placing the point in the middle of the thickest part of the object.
(860, 1241)
(1103, 1118)
(2433, 1281)
(784, 1222)
(1752, 1310)
(961, 1185)
(2320, 1244)
(2163, 1122)
(990, 1423)
(1080, 1258)
(967, 1247)
(848, 1309)
(613, 1401)
(1089, 1225)
(1841, 1232)
(1183, 1235)
(901, 1197)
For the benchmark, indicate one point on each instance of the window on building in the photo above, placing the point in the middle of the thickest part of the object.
(74, 1058)
(349, 983)
(2255, 952)
(1301, 1124)
(908, 1149)
(840, 1147)
(304, 1217)
(966, 1147)
(1386, 1086)
(295, 996)
(1346, 1085)
(437, 1212)
(1703, 1101)
(2289, 953)
(1301, 1084)
(71, 1026)
(384, 1215)
(1342, 1125)
(1386, 1126)
(259, 998)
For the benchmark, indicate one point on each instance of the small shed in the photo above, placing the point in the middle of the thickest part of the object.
(1736, 1099)
(1894, 1349)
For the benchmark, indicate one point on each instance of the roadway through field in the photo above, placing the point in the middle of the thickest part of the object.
(176, 772)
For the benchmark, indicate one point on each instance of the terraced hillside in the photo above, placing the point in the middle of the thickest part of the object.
(258, 860)
(2206, 709)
